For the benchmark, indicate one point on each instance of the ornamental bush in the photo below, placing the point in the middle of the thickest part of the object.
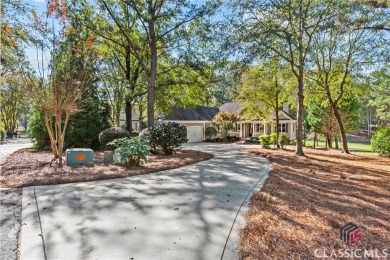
(273, 139)
(210, 132)
(380, 141)
(112, 133)
(265, 141)
(283, 140)
(134, 151)
(167, 136)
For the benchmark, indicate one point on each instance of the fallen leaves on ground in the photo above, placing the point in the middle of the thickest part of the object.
(27, 167)
(307, 199)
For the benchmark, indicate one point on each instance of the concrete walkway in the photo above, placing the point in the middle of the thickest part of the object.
(10, 206)
(188, 213)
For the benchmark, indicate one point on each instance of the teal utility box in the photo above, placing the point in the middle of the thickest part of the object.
(79, 156)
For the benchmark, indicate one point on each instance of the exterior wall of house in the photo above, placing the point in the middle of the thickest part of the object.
(203, 124)
(135, 121)
(260, 128)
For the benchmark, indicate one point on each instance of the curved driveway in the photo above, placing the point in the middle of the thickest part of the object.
(185, 213)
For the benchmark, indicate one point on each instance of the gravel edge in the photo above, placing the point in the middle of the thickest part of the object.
(10, 223)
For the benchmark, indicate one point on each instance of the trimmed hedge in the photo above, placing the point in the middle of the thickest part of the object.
(112, 133)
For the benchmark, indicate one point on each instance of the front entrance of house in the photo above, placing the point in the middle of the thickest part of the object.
(248, 130)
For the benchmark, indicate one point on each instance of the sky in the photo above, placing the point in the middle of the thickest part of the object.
(31, 52)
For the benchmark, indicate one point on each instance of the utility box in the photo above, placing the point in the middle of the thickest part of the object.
(79, 156)
(108, 156)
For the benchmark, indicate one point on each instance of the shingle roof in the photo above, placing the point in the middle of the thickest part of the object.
(204, 113)
(200, 113)
(233, 107)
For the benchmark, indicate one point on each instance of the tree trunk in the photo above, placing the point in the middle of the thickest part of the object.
(329, 141)
(129, 116)
(299, 149)
(153, 62)
(341, 129)
(277, 116)
(128, 107)
(315, 139)
(336, 143)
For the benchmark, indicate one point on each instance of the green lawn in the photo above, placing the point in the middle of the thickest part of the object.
(353, 146)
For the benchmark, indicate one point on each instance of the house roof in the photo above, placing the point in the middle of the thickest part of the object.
(233, 107)
(200, 113)
(204, 113)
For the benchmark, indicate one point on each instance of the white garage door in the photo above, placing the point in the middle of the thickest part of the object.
(194, 134)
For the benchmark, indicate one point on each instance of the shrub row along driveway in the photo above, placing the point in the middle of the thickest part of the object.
(186, 213)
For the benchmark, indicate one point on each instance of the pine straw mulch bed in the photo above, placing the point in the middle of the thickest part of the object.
(27, 167)
(306, 200)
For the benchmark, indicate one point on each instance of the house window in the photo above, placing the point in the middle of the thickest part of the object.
(259, 128)
(238, 127)
(283, 128)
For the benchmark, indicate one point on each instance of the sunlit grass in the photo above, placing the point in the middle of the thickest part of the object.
(353, 146)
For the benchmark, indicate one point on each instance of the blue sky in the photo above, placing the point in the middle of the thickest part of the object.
(31, 52)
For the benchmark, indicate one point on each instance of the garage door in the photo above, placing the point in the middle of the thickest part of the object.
(194, 134)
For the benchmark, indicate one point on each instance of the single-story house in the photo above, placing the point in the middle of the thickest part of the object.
(198, 119)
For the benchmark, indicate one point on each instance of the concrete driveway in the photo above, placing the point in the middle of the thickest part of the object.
(193, 212)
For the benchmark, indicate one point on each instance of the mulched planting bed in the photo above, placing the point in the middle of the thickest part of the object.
(27, 167)
(306, 200)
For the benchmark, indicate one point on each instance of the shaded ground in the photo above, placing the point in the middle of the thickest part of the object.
(306, 200)
(187, 213)
(27, 167)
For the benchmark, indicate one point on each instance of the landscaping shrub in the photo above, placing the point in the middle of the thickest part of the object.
(84, 127)
(111, 146)
(273, 139)
(380, 141)
(82, 131)
(38, 131)
(112, 133)
(168, 136)
(265, 141)
(134, 151)
(283, 140)
(210, 132)
(2, 134)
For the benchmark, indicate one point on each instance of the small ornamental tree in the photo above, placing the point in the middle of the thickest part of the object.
(60, 93)
(168, 136)
(225, 121)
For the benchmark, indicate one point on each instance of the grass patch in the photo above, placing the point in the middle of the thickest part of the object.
(352, 145)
